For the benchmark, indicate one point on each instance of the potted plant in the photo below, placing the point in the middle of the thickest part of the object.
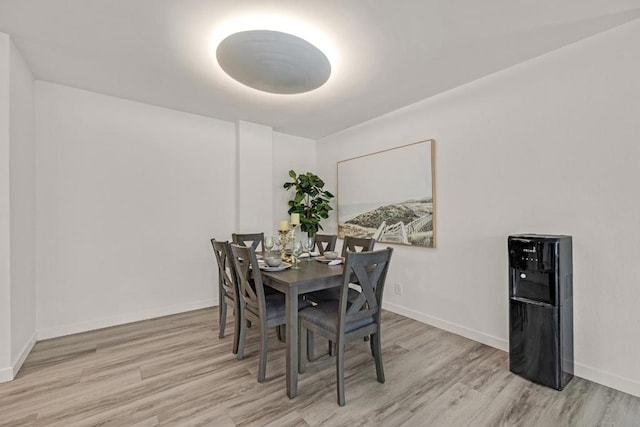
(311, 201)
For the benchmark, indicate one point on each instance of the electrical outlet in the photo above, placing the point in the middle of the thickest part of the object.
(398, 289)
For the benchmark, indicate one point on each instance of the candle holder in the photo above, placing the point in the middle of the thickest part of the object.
(283, 244)
(294, 257)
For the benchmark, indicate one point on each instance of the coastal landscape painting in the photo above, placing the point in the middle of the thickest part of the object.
(389, 195)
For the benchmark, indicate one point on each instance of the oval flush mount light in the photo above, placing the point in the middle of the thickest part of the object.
(273, 62)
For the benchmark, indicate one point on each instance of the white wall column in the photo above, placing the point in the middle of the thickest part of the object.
(22, 178)
(289, 153)
(254, 185)
(17, 211)
(5, 235)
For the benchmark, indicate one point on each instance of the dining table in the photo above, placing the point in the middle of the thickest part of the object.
(311, 276)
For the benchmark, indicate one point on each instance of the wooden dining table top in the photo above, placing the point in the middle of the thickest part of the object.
(312, 276)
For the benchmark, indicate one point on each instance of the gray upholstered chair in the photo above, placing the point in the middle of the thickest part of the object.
(343, 321)
(325, 242)
(264, 310)
(227, 289)
(255, 240)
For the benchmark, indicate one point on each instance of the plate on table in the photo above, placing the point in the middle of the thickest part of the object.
(327, 260)
(282, 266)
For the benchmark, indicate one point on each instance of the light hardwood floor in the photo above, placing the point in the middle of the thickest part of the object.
(175, 371)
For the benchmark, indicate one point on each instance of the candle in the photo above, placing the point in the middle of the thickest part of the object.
(295, 219)
(284, 225)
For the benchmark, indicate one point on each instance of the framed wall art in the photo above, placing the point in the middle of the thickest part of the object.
(389, 195)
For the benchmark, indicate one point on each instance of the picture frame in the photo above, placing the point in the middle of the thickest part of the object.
(389, 195)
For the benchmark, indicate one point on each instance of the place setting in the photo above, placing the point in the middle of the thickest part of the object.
(330, 258)
(273, 263)
(308, 254)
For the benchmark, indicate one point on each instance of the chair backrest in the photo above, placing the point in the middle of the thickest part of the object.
(357, 244)
(227, 278)
(370, 271)
(250, 285)
(326, 242)
(249, 239)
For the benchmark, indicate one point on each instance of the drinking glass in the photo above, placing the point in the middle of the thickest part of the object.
(268, 244)
(311, 241)
(297, 250)
(305, 248)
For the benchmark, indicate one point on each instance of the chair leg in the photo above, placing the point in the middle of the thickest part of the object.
(377, 354)
(242, 338)
(372, 347)
(302, 350)
(340, 371)
(222, 317)
(236, 330)
(262, 368)
(332, 348)
(311, 346)
(282, 333)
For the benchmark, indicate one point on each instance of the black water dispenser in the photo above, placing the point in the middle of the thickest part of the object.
(541, 308)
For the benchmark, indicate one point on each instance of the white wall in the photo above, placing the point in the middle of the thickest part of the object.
(23, 238)
(549, 146)
(289, 153)
(5, 219)
(128, 196)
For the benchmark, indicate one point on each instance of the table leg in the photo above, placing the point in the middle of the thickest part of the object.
(292, 342)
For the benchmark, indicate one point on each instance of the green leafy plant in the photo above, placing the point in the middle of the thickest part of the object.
(311, 200)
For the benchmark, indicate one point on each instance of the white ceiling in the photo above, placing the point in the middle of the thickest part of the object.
(385, 54)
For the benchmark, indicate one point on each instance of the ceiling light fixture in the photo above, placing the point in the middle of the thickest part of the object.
(273, 61)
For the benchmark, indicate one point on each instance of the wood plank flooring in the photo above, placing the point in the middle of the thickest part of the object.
(175, 371)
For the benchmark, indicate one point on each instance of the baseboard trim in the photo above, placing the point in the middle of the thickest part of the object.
(607, 379)
(472, 334)
(24, 353)
(9, 373)
(6, 374)
(75, 328)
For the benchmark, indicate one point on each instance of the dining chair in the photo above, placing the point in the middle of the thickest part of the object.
(227, 289)
(350, 244)
(353, 244)
(343, 321)
(254, 240)
(357, 244)
(325, 242)
(267, 310)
